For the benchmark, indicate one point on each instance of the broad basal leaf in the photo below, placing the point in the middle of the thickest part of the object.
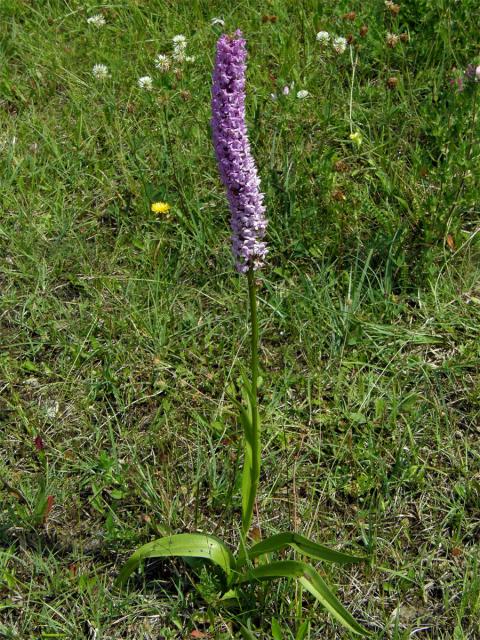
(187, 545)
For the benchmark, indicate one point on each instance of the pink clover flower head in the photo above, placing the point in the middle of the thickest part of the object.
(457, 83)
(235, 161)
(472, 73)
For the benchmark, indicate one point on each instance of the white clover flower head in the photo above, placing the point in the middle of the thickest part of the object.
(392, 39)
(179, 47)
(219, 21)
(302, 94)
(180, 40)
(323, 37)
(162, 62)
(145, 82)
(100, 71)
(286, 90)
(97, 20)
(179, 55)
(190, 59)
(340, 44)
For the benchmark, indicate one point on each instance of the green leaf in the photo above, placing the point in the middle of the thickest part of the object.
(246, 633)
(250, 420)
(276, 630)
(301, 544)
(189, 545)
(303, 629)
(312, 582)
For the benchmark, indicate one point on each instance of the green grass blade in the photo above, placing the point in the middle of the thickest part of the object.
(189, 545)
(303, 545)
(312, 582)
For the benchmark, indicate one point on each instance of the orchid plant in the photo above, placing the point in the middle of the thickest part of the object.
(240, 177)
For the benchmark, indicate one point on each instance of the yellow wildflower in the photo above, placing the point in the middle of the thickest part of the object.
(356, 138)
(160, 207)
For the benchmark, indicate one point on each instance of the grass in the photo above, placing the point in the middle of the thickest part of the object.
(123, 331)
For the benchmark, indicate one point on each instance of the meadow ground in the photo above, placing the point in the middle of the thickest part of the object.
(123, 330)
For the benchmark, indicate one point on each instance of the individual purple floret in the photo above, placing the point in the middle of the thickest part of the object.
(236, 164)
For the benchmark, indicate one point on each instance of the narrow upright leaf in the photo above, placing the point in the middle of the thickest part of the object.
(276, 630)
(303, 545)
(250, 419)
(312, 582)
(303, 629)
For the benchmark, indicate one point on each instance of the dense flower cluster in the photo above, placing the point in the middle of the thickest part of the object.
(145, 82)
(97, 20)
(236, 164)
(100, 71)
(339, 43)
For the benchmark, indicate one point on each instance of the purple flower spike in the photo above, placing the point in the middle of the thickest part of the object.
(235, 162)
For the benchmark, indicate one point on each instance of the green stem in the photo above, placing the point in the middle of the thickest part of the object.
(252, 294)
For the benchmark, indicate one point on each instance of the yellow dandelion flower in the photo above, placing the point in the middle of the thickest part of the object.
(160, 207)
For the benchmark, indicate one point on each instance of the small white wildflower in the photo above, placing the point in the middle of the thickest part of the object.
(179, 47)
(51, 409)
(323, 37)
(180, 40)
(162, 62)
(303, 93)
(179, 54)
(100, 71)
(145, 82)
(97, 20)
(215, 21)
(340, 44)
(190, 59)
(286, 90)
